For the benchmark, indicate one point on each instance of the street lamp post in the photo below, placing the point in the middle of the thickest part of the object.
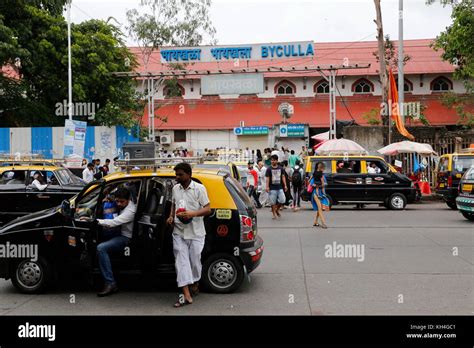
(69, 69)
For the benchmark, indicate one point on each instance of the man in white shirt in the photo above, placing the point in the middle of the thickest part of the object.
(38, 182)
(88, 173)
(125, 220)
(190, 205)
(372, 169)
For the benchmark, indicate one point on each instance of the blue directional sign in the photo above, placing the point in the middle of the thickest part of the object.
(257, 130)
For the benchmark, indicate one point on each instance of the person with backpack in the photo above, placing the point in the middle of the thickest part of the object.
(297, 175)
(252, 183)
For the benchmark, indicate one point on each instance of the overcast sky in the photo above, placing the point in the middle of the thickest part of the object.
(261, 21)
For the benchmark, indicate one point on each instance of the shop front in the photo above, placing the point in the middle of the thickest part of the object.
(291, 136)
(253, 137)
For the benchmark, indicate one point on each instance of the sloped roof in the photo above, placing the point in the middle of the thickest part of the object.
(227, 113)
(424, 60)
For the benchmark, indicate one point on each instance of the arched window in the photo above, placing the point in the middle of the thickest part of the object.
(407, 86)
(441, 84)
(321, 87)
(285, 87)
(362, 86)
(173, 91)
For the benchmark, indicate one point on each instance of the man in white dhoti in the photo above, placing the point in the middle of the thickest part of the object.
(263, 198)
(190, 205)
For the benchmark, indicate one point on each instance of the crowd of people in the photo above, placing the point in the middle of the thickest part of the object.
(95, 171)
(278, 180)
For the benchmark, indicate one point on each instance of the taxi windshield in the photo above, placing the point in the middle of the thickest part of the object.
(469, 174)
(462, 164)
(65, 177)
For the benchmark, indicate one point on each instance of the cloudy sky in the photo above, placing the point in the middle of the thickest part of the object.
(261, 21)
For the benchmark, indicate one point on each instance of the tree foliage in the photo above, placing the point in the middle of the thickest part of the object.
(34, 33)
(160, 23)
(457, 43)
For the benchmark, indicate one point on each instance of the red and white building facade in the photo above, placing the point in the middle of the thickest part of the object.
(197, 122)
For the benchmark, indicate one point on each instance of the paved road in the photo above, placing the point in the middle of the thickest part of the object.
(417, 261)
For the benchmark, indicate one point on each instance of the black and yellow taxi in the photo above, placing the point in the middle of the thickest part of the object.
(224, 166)
(449, 172)
(362, 180)
(19, 197)
(67, 235)
(465, 199)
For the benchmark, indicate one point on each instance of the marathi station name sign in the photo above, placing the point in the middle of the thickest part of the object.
(233, 52)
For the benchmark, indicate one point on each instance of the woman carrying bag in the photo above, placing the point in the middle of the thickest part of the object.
(318, 195)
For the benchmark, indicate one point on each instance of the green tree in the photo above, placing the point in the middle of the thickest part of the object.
(170, 23)
(457, 43)
(34, 33)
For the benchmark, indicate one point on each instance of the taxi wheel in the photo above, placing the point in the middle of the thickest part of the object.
(397, 201)
(469, 216)
(31, 277)
(452, 205)
(222, 273)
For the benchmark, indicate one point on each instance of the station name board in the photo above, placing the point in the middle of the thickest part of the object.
(234, 52)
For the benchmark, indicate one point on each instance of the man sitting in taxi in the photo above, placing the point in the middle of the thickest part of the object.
(125, 220)
(373, 169)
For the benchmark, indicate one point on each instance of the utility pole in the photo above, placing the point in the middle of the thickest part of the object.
(401, 91)
(332, 104)
(69, 69)
(383, 68)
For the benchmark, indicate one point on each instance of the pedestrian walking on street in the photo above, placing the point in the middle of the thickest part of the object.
(288, 196)
(190, 203)
(252, 183)
(297, 179)
(259, 155)
(88, 173)
(262, 171)
(318, 194)
(276, 186)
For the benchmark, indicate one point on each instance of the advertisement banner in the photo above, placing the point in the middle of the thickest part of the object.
(74, 138)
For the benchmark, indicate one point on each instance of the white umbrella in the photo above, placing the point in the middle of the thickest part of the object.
(407, 147)
(340, 147)
(321, 136)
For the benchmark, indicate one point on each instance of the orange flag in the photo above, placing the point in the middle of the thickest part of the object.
(393, 103)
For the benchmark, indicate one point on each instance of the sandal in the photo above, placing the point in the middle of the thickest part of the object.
(324, 226)
(181, 304)
(316, 225)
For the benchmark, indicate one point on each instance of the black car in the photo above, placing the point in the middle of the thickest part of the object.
(67, 236)
(18, 197)
(362, 180)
